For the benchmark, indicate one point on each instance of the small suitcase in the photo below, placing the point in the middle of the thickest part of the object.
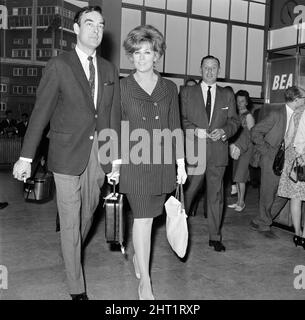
(39, 188)
(114, 218)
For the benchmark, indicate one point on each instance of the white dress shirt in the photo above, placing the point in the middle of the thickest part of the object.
(205, 88)
(289, 113)
(83, 57)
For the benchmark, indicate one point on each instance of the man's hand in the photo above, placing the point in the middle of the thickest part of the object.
(218, 134)
(114, 174)
(201, 133)
(22, 170)
(234, 151)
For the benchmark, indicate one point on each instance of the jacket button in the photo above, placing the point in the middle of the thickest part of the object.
(156, 117)
(95, 116)
(91, 137)
(144, 118)
(155, 104)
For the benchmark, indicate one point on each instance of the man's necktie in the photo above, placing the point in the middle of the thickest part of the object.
(92, 76)
(208, 103)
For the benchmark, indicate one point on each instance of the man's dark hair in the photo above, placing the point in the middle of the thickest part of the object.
(209, 57)
(292, 93)
(78, 15)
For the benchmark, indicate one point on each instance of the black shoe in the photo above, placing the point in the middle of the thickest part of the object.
(81, 296)
(218, 246)
(3, 205)
(299, 241)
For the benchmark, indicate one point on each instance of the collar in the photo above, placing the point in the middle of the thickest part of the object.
(288, 109)
(83, 56)
(205, 86)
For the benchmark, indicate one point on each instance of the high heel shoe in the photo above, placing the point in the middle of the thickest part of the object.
(232, 206)
(136, 270)
(299, 241)
(240, 208)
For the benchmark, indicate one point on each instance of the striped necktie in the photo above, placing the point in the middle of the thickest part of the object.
(92, 76)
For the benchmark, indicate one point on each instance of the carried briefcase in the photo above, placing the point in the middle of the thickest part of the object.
(114, 218)
(40, 187)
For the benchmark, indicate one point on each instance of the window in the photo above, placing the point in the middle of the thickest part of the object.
(2, 106)
(17, 89)
(30, 41)
(15, 11)
(63, 43)
(47, 40)
(17, 72)
(21, 53)
(31, 90)
(32, 72)
(3, 87)
(42, 53)
(18, 41)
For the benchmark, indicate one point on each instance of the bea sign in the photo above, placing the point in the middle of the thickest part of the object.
(282, 76)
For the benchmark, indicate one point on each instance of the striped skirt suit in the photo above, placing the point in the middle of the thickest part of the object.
(147, 182)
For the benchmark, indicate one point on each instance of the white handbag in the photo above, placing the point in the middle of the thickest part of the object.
(176, 224)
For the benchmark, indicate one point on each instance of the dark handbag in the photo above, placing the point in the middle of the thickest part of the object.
(39, 188)
(278, 163)
(114, 218)
(297, 172)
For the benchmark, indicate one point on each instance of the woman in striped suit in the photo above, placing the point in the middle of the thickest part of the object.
(149, 106)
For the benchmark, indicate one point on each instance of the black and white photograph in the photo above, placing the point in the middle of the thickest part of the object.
(152, 150)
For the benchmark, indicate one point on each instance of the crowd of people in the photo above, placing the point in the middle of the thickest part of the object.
(10, 127)
(80, 95)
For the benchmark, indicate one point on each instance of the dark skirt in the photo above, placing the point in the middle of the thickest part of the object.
(146, 205)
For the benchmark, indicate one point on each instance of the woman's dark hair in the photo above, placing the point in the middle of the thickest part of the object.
(146, 33)
(244, 93)
(79, 13)
(292, 93)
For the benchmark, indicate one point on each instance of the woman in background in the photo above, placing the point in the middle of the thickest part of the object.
(245, 147)
(149, 102)
(295, 148)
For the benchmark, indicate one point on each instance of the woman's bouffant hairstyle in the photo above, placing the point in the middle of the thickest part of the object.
(146, 33)
(245, 93)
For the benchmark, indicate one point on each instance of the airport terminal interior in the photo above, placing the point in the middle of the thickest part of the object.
(261, 48)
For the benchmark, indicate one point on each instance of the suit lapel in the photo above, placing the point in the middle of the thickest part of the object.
(80, 76)
(200, 106)
(284, 122)
(100, 91)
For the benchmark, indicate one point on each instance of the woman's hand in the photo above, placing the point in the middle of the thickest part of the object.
(181, 173)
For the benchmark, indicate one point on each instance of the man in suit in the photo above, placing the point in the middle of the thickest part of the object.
(210, 111)
(79, 95)
(267, 136)
(22, 125)
(8, 125)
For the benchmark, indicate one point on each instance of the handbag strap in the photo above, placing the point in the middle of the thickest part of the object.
(179, 194)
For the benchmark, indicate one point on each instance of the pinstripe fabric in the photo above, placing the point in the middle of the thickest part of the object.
(146, 205)
(160, 110)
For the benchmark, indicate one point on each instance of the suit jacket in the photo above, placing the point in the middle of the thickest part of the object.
(268, 133)
(64, 100)
(224, 117)
(157, 111)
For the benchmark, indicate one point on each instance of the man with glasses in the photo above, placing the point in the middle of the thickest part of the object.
(79, 95)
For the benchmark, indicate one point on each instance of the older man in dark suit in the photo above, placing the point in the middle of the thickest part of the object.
(210, 110)
(267, 136)
(79, 95)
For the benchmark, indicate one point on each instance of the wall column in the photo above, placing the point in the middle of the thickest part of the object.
(111, 44)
